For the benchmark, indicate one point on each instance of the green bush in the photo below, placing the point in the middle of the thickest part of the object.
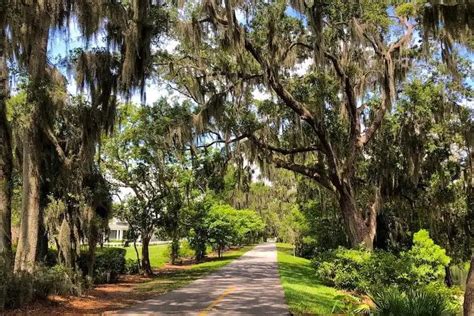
(185, 250)
(198, 233)
(51, 258)
(57, 280)
(452, 296)
(382, 268)
(109, 264)
(363, 271)
(427, 261)
(132, 266)
(421, 302)
(19, 289)
(306, 246)
(227, 227)
(342, 268)
(198, 243)
(459, 273)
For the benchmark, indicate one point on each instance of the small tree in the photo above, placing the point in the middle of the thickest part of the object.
(221, 227)
(292, 228)
(172, 221)
(429, 260)
(143, 218)
(198, 233)
(249, 226)
(228, 226)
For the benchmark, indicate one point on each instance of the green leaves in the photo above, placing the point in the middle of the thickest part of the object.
(406, 10)
(361, 270)
(427, 260)
(228, 226)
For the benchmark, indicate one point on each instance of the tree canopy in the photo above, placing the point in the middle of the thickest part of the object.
(323, 123)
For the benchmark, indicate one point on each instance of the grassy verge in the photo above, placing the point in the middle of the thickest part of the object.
(158, 254)
(303, 293)
(166, 281)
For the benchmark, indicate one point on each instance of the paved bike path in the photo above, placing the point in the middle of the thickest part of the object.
(249, 285)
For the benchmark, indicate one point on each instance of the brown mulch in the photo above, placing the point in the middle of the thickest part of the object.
(101, 298)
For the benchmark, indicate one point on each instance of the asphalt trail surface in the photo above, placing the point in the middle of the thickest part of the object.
(249, 285)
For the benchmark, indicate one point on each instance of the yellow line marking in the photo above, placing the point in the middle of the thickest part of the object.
(217, 301)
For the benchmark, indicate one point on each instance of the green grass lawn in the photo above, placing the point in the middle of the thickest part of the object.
(166, 281)
(158, 254)
(303, 293)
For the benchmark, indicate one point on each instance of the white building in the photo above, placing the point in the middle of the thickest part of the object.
(118, 229)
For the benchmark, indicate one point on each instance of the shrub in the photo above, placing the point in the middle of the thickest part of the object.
(57, 280)
(198, 242)
(19, 289)
(420, 302)
(452, 296)
(306, 246)
(350, 305)
(109, 264)
(427, 261)
(362, 270)
(227, 227)
(382, 268)
(132, 266)
(185, 251)
(342, 268)
(51, 258)
(459, 273)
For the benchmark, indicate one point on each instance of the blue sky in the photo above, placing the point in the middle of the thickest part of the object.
(61, 43)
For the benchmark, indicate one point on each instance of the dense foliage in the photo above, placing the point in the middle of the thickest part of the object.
(109, 264)
(418, 273)
(392, 301)
(19, 289)
(227, 227)
(343, 127)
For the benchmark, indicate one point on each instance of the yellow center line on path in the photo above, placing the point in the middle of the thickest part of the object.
(217, 301)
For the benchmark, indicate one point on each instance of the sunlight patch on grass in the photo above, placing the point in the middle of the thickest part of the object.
(303, 293)
(158, 254)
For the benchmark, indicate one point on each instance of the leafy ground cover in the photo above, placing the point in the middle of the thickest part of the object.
(303, 292)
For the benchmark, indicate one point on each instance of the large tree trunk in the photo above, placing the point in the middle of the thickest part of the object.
(469, 294)
(28, 249)
(146, 266)
(360, 227)
(31, 236)
(5, 161)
